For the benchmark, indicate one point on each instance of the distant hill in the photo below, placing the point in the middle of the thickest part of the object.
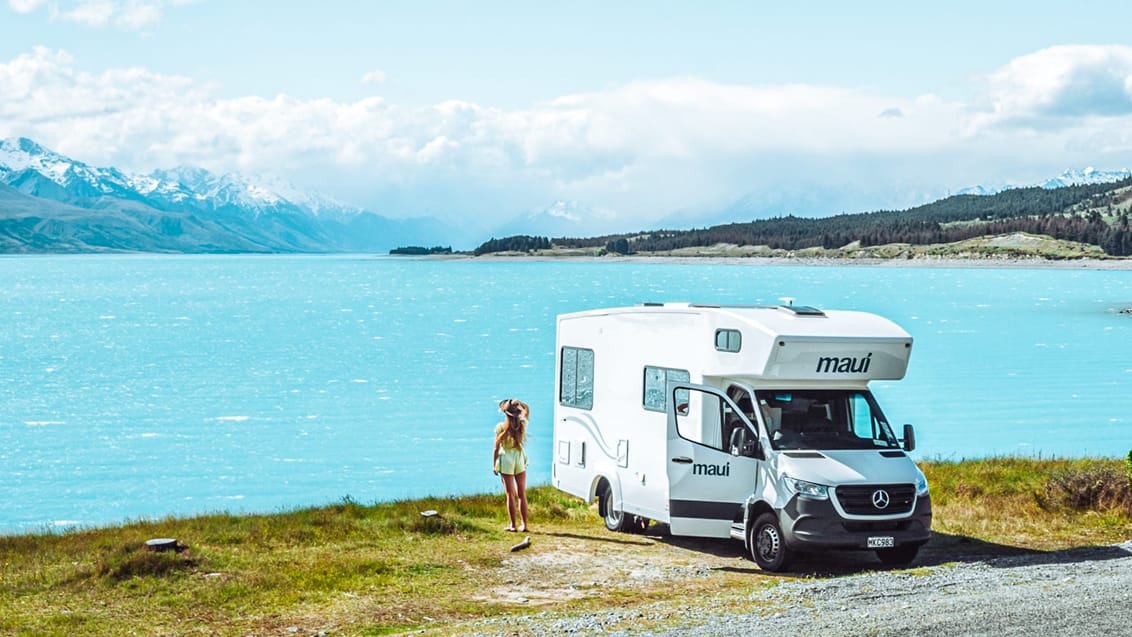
(1095, 213)
(52, 203)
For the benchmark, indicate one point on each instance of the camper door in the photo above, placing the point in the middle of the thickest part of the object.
(707, 483)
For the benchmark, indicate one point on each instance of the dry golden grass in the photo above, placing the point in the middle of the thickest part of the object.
(1018, 502)
(352, 569)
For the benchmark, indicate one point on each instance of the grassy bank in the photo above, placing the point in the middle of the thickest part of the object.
(354, 569)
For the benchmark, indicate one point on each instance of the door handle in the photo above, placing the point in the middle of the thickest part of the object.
(682, 460)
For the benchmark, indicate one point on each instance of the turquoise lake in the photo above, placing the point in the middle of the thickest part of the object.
(144, 386)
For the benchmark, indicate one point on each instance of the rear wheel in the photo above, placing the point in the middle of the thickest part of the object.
(767, 545)
(898, 556)
(615, 519)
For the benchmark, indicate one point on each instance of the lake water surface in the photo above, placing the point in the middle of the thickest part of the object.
(141, 386)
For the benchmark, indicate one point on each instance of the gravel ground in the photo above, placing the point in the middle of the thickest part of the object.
(1082, 592)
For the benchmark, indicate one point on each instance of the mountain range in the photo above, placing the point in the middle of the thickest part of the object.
(812, 200)
(52, 203)
(1070, 177)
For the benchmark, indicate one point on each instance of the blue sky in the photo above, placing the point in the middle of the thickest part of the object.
(483, 111)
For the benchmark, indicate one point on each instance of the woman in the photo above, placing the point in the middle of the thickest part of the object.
(510, 460)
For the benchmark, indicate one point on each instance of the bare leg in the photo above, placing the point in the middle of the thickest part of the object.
(521, 488)
(510, 488)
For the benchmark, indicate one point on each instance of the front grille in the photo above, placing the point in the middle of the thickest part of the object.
(858, 499)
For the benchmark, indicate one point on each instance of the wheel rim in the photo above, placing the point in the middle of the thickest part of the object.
(768, 543)
(612, 517)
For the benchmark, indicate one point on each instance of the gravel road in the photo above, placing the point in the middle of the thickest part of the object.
(1081, 592)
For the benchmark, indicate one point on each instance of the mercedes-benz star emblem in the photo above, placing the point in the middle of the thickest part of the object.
(880, 499)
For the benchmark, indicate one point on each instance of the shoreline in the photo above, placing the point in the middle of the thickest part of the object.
(1034, 263)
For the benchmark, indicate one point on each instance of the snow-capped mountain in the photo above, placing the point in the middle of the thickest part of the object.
(40, 172)
(187, 209)
(1071, 177)
(186, 184)
(1088, 176)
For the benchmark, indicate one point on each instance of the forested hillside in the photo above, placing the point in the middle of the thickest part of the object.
(1094, 214)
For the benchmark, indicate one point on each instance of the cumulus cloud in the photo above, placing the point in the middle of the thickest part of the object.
(128, 15)
(1058, 86)
(640, 149)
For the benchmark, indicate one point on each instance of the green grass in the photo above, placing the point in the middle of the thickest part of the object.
(1027, 503)
(353, 569)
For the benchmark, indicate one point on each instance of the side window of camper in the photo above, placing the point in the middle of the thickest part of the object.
(728, 340)
(577, 388)
(656, 378)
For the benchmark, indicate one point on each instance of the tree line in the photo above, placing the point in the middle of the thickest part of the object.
(421, 250)
(517, 243)
(1059, 213)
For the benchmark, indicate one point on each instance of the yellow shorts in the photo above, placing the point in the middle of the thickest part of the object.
(512, 461)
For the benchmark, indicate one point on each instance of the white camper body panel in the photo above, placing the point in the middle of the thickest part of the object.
(611, 438)
(618, 439)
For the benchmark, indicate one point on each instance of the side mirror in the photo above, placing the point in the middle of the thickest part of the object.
(744, 445)
(738, 441)
(909, 438)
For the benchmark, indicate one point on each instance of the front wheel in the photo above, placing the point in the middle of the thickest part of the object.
(767, 545)
(899, 556)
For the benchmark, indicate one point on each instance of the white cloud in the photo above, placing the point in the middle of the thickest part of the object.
(26, 6)
(1059, 86)
(641, 150)
(374, 78)
(128, 15)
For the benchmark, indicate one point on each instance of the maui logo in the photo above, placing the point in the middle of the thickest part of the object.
(711, 469)
(845, 365)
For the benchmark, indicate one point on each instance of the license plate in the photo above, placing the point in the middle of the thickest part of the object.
(884, 542)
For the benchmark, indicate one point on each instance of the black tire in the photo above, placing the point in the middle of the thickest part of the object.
(767, 544)
(615, 520)
(898, 556)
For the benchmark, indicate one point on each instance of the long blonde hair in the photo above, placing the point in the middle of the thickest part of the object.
(516, 429)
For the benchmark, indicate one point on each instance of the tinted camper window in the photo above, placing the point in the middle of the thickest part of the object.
(655, 380)
(728, 340)
(577, 389)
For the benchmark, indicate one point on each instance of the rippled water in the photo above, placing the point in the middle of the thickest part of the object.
(140, 386)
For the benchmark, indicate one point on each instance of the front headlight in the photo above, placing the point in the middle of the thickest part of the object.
(809, 490)
(921, 484)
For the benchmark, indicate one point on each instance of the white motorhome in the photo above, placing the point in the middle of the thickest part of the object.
(749, 422)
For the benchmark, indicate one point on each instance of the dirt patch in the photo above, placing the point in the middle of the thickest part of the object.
(561, 567)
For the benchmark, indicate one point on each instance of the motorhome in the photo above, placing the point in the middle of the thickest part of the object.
(749, 422)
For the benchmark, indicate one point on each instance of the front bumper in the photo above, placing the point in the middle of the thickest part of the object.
(815, 524)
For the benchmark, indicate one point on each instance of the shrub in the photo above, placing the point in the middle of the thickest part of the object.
(1086, 488)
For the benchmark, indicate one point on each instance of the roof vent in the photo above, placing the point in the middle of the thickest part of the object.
(801, 310)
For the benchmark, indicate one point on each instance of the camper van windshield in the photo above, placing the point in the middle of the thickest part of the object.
(825, 419)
